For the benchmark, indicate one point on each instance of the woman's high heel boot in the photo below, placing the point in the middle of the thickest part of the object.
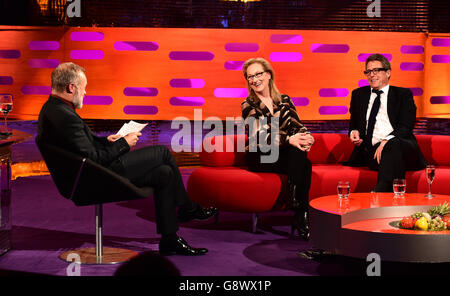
(293, 202)
(301, 223)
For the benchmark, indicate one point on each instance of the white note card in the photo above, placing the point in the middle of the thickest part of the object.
(131, 127)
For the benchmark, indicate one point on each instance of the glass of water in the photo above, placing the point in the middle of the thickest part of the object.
(399, 186)
(343, 189)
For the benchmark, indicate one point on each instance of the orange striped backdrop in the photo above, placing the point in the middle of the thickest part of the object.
(162, 73)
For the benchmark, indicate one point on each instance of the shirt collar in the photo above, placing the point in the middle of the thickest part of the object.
(384, 89)
(64, 100)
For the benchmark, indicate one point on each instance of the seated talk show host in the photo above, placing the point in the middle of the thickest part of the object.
(293, 140)
(381, 126)
(152, 166)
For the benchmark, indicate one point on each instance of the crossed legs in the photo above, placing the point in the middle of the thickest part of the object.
(155, 166)
(397, 157)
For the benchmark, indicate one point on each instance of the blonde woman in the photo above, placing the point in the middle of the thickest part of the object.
(275, 120)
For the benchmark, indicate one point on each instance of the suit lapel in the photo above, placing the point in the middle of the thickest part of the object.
(391, 104)
(365, 98)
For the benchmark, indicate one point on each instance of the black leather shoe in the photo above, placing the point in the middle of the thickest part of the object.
(313, 254)
(179, 247)
(199, 214)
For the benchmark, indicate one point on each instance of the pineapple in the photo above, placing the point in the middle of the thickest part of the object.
(440, 210)
(416, 215)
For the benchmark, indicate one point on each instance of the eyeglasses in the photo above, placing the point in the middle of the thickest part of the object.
(374, 71)
(257, 75)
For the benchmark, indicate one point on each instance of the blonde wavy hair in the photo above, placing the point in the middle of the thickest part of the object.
(274, 92)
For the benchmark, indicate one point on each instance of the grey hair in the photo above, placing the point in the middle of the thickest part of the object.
(65, 74)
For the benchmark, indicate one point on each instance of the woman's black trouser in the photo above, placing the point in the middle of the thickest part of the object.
(291, 161)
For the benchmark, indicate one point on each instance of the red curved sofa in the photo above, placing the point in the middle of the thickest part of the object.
(225, 182)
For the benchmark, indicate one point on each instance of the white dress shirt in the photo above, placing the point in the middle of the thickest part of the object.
(383, 126)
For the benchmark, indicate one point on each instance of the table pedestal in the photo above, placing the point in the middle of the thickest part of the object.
(5, 199)
(6, 143)
(365, 224)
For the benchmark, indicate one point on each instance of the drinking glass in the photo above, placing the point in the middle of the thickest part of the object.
(343, 189)
(429, 173)
(399, 186)
(344, 204)
(6, 104)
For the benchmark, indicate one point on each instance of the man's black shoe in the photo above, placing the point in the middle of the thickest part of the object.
(312, 254)
(199, 214)
(179, 247)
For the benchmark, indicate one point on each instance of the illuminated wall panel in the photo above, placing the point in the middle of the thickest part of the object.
(437, 76)
(162, 73)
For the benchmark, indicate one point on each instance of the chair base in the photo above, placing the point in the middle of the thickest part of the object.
(110, 256)
(254, 222)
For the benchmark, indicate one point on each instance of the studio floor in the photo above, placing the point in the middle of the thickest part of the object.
(44, 224)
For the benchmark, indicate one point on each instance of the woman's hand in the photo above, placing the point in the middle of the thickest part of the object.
(302, 141)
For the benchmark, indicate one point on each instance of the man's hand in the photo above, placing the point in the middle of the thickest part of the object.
(113, 138)
(377, 154)
(302, 141)
(132, 138)
(355, 139)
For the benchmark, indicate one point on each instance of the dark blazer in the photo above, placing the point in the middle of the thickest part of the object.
(61, 126)
(401, 111)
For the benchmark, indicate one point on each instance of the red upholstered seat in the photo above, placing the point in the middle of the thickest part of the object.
(435, 149)
(235, 189)
(325, 177)
(225, 182)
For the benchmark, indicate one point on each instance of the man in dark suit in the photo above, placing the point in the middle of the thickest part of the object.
(153, 166)
(381, 126)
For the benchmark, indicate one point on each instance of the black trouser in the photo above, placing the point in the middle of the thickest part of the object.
(154, 166)
(397, 157)
(291, 161)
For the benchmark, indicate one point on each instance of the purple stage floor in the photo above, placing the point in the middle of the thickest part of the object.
(45, 225)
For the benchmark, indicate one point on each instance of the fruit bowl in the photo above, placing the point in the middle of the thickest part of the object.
(435, 219)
